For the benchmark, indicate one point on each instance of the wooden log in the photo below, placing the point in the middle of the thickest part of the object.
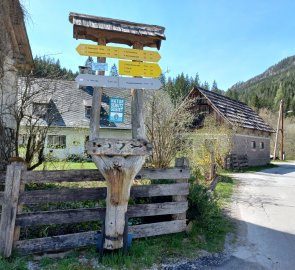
(9, 208)
(83, 194)
(71, 241)
(134, 147)
(93, 214)
(94, 175)
(119, 173)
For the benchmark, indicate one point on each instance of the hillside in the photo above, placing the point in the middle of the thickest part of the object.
(267, 89)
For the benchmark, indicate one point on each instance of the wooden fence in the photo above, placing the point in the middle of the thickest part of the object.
(15, 196)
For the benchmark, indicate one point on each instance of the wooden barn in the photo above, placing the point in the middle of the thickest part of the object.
(250, 144)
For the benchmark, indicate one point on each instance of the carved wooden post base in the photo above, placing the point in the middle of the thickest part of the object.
(119, 161)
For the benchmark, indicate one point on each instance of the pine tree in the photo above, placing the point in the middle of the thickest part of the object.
(114, 71)
(205, 85)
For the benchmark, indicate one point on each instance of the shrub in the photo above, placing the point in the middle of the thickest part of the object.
(78, 158)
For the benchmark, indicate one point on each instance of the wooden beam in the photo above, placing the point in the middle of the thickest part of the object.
(95, 175)
(94, 214)
(77, 240)
(137, 113)
(84, 194)
(117, 147)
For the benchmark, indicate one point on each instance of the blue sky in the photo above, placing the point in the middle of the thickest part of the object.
(222, 40)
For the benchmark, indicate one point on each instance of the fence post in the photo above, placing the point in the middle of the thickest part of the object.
(9, 208)
(180, 163)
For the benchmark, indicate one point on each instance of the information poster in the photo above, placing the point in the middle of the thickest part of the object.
(116, 113)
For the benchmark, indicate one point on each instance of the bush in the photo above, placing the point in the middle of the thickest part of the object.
(202, 204)
(78, 158)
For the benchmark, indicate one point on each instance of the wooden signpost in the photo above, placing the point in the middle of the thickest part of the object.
(118, 82)
(117, 52)
(119, 160)
(139, 69)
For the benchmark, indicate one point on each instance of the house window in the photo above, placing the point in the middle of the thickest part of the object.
(253, 145)
(88, 110)
(261, 145)
(56, 141)
(40, 109)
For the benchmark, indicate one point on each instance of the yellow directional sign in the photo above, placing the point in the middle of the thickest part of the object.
(139, 69)
(116, 52)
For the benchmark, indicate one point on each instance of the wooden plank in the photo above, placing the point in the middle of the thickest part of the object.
(159, 228)
(83, 194)
(95, 175)
(76, 240)
(9, 209)
(93, 214)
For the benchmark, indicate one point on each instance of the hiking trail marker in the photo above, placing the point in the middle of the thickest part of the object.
(118, 82)
(119, 160)
(139, 69)
(117, 52)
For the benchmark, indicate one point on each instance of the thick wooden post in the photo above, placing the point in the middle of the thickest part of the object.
(10, 207)
(137, 117)
(96, 101)
(119, 161)
(180, 163)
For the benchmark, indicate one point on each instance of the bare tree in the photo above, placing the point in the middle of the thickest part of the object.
(34, 112)
(166, 127)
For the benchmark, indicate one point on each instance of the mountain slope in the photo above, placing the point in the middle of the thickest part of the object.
(267, 89)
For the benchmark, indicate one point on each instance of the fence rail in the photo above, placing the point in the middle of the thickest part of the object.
(173, 202)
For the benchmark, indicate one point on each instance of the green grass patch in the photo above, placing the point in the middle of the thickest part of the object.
(258, 168)
(66, 165)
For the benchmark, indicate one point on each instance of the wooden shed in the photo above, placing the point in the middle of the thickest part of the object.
(251, 136)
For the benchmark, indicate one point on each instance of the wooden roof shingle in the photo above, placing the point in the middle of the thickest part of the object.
(119, 31)
(235, 112)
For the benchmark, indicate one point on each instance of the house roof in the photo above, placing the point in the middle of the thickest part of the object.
(69, 101)
(116, 31)
(235, 112)
(12, 17)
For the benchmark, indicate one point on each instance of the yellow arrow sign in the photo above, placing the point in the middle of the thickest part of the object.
(139, 69)
(116, 52)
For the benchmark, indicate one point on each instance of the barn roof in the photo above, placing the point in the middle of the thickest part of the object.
(116, 31)
(235, 112)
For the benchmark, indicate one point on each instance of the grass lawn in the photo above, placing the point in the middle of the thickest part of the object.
(144, 252)
(66, 165)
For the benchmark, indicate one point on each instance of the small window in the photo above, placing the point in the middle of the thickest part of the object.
(56, 141)
(88, 110)
(40, 109)
(261, 145)
(253, 145)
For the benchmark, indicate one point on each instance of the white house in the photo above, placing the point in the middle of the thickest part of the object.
(71, 107)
